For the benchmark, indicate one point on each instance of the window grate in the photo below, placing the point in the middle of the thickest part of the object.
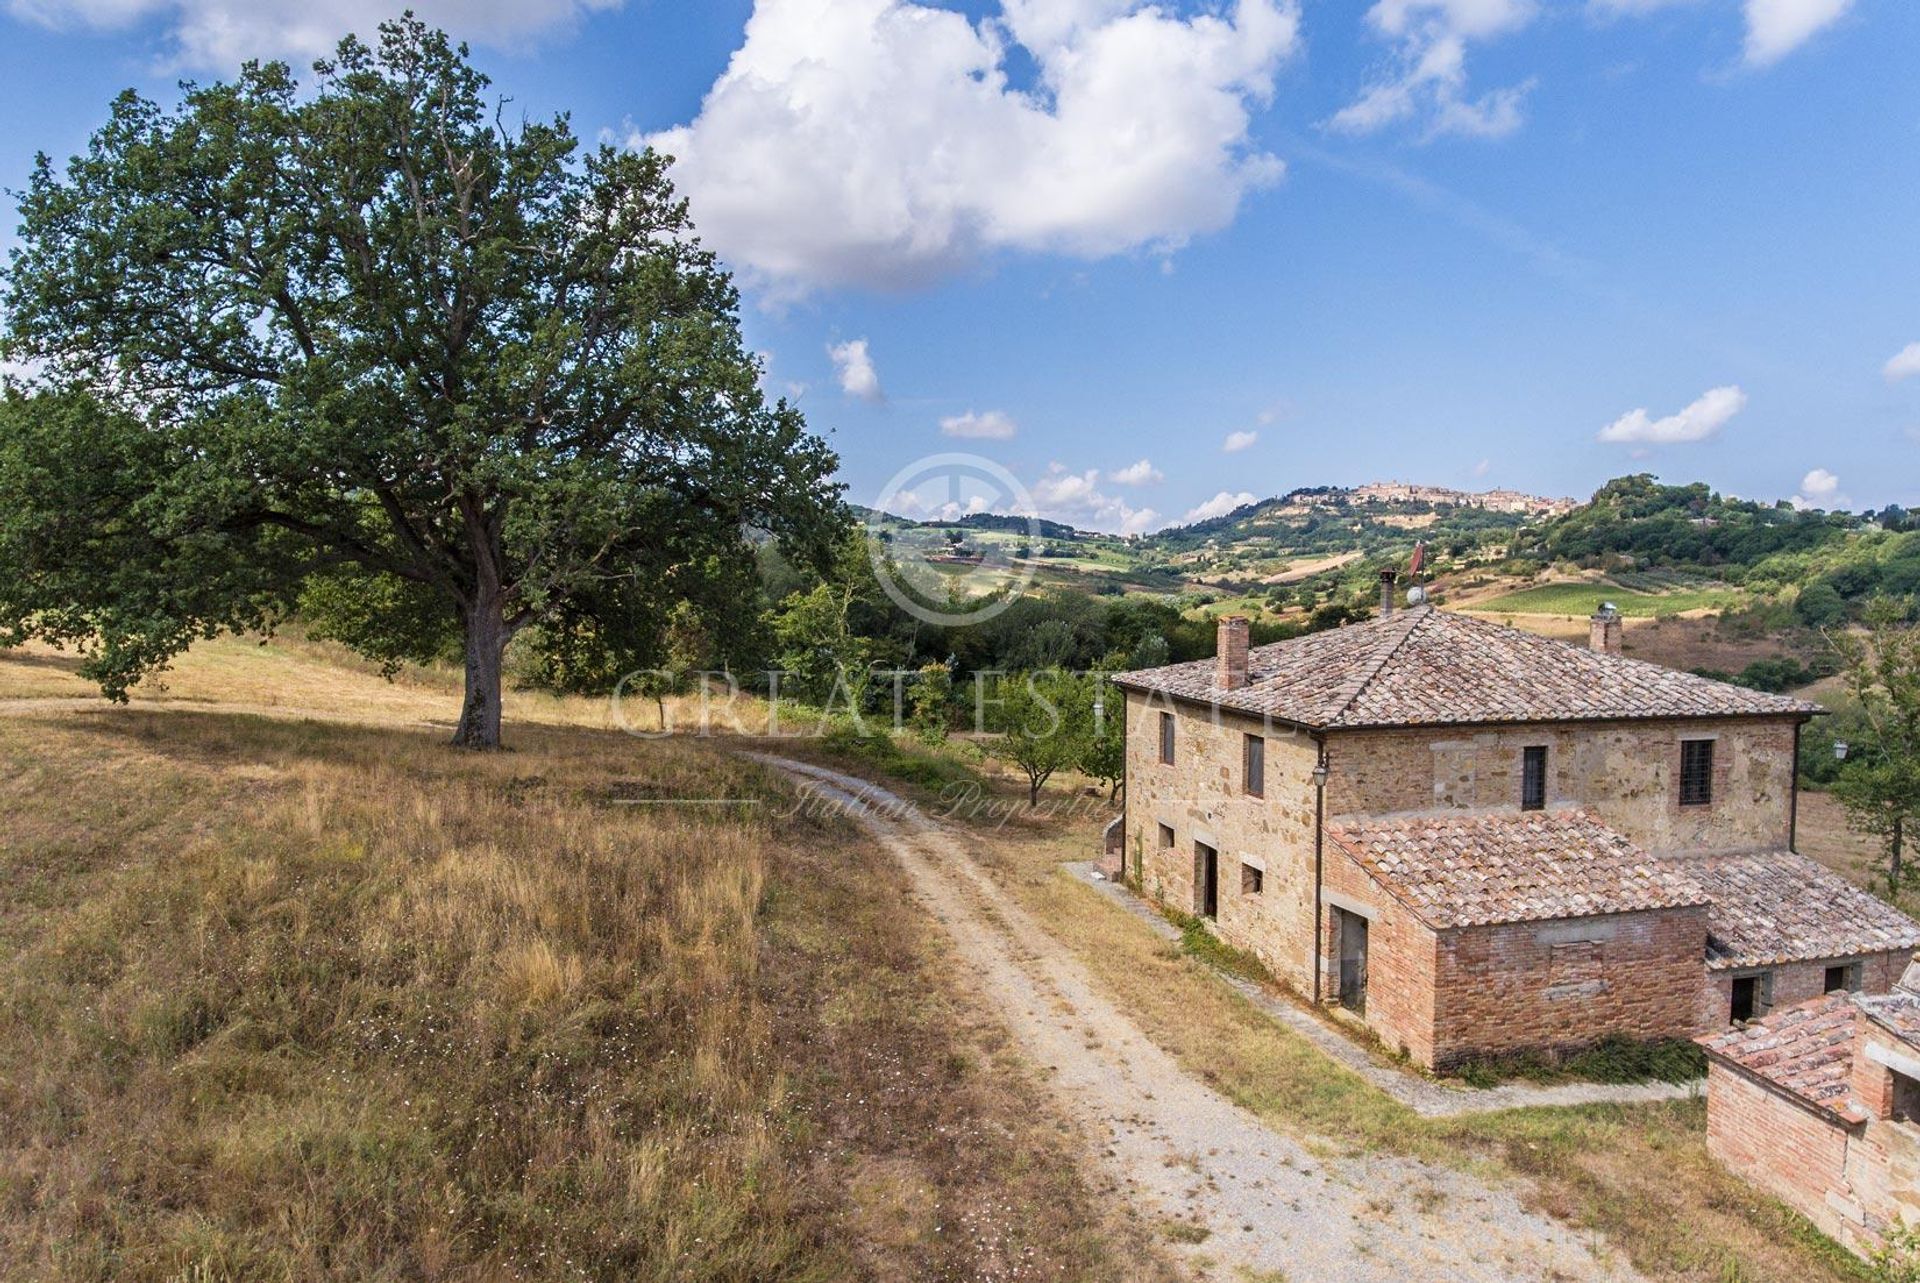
(1166, 739)
(1696, 772)
(1255, 766)
(1533, 778)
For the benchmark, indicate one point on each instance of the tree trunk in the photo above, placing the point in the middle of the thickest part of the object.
(1894, 871)
(487, 637)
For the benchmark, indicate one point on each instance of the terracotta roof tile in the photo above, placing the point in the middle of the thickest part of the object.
(1477, 870)
(1772, 907)
(1805, 1050)
(1422, 666)
(1897, 1012)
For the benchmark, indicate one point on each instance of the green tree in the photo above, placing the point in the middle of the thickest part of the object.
(1880, 783)
(826, 634)
(370, 330)
(1103, 749)
(930, 702)
(1044, 719)
(1820, 605)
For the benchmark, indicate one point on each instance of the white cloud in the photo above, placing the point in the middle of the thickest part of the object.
(1138, 474)
(1903, 364)
(1483, 467)
(1775, 28)
(992, 425)
(1820, 489)
(1077, 499)
(1700, 420)
(1429, 81)
(1218, 506)
(1611, 8)
(853, 364)
(1238, 441)
(223, 33)
(881, 142)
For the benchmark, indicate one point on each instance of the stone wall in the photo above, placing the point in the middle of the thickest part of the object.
(1200, 797)
(1567, 983)
(1796, 982)
(1627, 772)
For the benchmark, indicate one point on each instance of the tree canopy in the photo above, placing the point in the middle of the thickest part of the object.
(372, 343)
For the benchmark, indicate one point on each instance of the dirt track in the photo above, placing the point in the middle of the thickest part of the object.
(1255, 1201)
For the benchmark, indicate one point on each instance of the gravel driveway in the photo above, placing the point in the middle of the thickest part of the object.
(1244, 1200)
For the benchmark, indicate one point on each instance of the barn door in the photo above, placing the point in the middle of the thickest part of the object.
(1351, 929)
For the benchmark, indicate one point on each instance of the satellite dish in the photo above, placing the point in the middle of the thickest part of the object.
(1416, 595)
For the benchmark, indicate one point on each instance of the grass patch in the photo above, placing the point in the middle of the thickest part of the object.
(1198, 941)
(933, 767)
(1611, 1060)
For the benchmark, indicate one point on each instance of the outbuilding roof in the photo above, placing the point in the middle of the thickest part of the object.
(1773, 907)
(1804, 1050)
(1479, 870)
(1897, 1012)
(1428, 667)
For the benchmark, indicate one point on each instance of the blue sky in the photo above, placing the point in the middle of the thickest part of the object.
(1525, 243)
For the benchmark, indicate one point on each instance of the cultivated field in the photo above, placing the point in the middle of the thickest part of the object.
(1583, 598)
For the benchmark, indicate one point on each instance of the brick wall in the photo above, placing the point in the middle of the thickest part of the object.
(1780, 1145)
(1628, 772)
(1567, 983)
(1200, 796)
(1795, 982)
(1445, 997)
(1400, 958)
(1850, 1180)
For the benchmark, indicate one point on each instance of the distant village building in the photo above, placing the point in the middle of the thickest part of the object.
(1819, 1104)
(1512, 501)
(1479, 841)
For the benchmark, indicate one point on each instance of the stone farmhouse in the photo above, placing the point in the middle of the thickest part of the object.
(1819, 1104)
(1478, 841)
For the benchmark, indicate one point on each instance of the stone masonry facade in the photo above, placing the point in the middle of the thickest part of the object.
(1445, 996)
(1568, 974)
(1625, 771)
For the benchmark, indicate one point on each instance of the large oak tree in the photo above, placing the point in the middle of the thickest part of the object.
(372, 338)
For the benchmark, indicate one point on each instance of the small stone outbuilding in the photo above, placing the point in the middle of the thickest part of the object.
(1497, 933)
(1819, 1104)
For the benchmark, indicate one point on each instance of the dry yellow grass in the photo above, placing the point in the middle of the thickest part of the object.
(290, 1000)
(290, 675)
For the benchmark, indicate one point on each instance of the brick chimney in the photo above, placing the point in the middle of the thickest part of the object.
(1387, 578)
(1606, 629)
(1231, 655)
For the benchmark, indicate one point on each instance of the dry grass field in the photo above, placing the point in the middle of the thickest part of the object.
(289, 1000)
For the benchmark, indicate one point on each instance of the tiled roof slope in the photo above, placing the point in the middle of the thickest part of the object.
(1478, 870)
(1422, 666)
(1804, 1050)
(1897, 1012)
(1772, 907)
